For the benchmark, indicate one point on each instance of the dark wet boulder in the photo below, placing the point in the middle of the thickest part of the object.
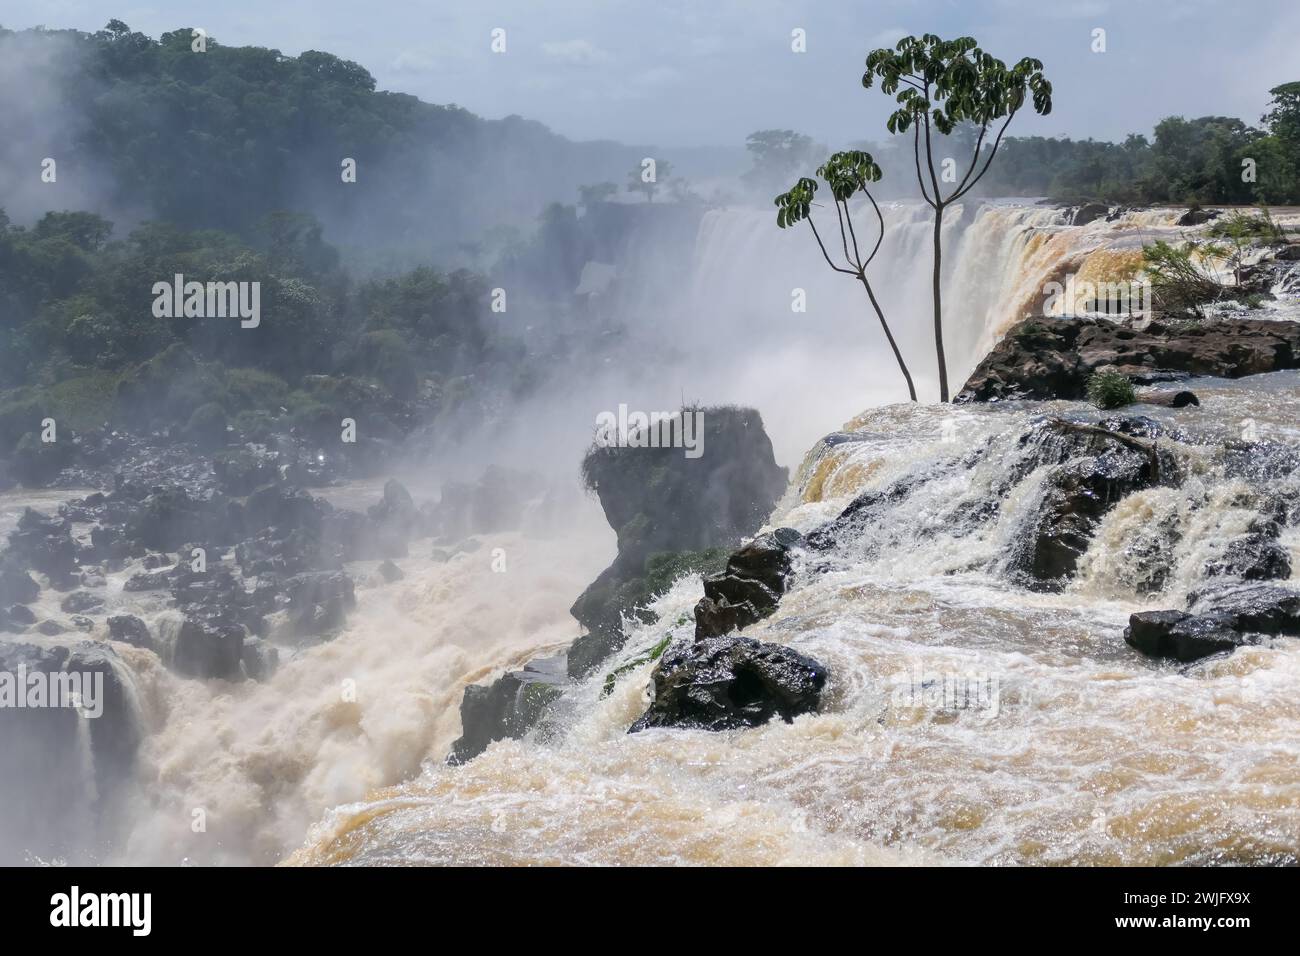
(130, 629)
(1101, 466)
(170, 517)
(274, 551)
(241, 471)
(17, 586)
(1196, 216)
(79, 602)
(207, 648)
(319, 601)
(1255, 556)
(16, 619)
(109, 543)
(396, 506)
(1168, 398)
(509, 707)
(1181, 636)
(284, 508)
(45, 544)
(1089, 212)
(724, 683)
(259, 659)
(612, 598)
(390, 572)
(1219, 618)
(148, 581)
(1260, 608)
(495, 502)
(750, 588)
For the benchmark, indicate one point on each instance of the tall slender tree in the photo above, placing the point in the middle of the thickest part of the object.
(847, 174)
(937, 85)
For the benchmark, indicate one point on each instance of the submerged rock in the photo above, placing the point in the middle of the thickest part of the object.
(1256, 556)
(723, 683)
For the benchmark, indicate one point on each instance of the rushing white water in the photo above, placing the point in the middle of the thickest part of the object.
(1080, 750)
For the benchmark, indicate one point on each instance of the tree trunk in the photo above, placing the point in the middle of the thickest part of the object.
(938, 304)
(898, 356)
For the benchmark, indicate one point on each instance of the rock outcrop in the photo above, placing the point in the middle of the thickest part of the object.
(674, 515)
(508, 707)
(724, 683)
(660, 501)
(1098, 466)
(1044, 358)
(750, 587)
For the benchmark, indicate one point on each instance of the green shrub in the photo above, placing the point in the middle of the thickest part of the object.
(1178, 282)
(207, 426)
(1109, 388)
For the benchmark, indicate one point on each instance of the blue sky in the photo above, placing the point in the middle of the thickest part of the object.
(707, 72)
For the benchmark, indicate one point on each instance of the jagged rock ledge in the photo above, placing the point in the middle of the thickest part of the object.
(1053, 358)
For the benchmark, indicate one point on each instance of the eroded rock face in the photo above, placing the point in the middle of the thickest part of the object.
(724, 683)
(1053, 358)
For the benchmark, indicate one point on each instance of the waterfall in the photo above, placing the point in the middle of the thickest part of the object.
(997, 258)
